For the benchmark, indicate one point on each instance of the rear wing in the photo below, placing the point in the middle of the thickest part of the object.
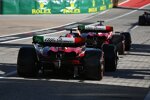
(92, 28)
(59, 41)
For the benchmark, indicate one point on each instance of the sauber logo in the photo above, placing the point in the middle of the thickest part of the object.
(42, 9)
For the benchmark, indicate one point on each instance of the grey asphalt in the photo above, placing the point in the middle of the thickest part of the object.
(131, 81)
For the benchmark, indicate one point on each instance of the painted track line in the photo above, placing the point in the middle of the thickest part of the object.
(108, 20)
(30, 37)
(124, 2)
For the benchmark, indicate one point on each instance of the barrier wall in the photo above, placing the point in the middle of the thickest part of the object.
(0, 6)
(54, 6)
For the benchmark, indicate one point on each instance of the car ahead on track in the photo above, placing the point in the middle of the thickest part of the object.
(102, 37)
(144, 19)
(126, 36)
(60, 54)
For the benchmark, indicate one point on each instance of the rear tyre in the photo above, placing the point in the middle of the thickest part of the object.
(121, 48)
(127, 40)
(110, 58)
(27, 62)
(93, 68)
(118, 40)
(142, 20)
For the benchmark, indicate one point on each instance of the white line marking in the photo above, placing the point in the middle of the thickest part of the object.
(36, 30)
(29, 37)
(134, 27)
(72, 23)
(45, 29)
(53, 27)
(124, 2)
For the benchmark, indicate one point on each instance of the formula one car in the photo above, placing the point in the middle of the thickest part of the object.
(102, 37)
(126, 43)
(99, 37)
(144, 19)
(66, 54)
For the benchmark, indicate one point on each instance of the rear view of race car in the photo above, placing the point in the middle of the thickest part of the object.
(102, 37)
(144, 19)
(66, 54)
(98, 37)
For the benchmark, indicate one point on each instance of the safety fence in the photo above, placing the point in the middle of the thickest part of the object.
(53, 6)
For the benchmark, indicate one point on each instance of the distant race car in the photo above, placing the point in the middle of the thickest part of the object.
(144, 19)
(66, 54)
(126, 36)
(102, 37)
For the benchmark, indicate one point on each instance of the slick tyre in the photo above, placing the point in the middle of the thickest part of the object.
(121, 48)
(27, 62)
(93, 68)
(118, 40)
(127, 40)
(142, 20)
(110, 58)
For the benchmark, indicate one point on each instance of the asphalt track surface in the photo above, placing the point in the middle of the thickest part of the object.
(131, 81)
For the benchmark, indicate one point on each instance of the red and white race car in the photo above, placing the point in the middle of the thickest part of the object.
(102, 37)
(67, 55)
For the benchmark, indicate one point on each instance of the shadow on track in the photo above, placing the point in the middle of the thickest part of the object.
(13, 45)
(129, 73)
(6, 68)
(142, 48)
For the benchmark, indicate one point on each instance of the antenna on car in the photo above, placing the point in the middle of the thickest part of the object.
(71, 29)
(101, 23)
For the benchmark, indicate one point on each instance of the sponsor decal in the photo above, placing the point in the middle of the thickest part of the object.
(72, 8)
(42, 9)
(93, 9)
(58, 40)
(103, 7)
(111, 4)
